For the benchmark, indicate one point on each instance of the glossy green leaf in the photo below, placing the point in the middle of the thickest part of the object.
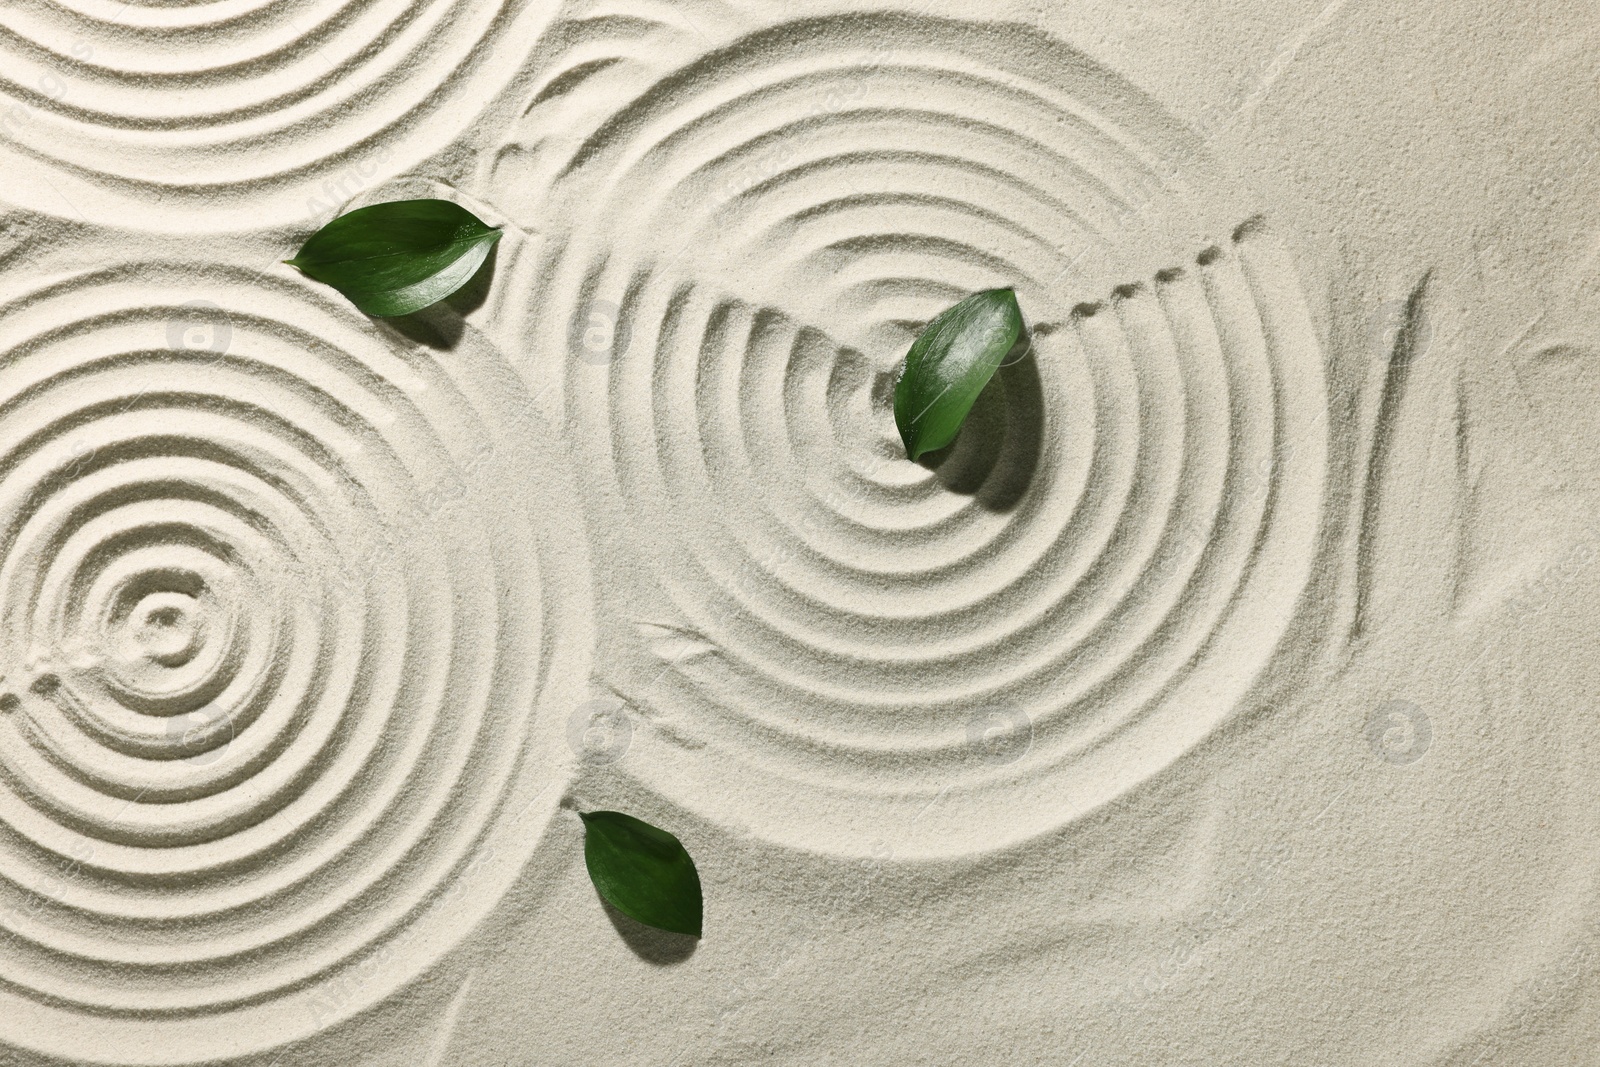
(948, 366)
(642, 871)
(399, 257)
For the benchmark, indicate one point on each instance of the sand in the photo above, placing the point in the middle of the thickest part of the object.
(1222, 696)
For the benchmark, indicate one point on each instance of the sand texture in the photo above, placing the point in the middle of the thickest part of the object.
(1221, 696)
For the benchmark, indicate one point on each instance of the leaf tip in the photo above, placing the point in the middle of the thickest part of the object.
(907, 438)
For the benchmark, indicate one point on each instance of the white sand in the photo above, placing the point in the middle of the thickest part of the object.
(1223, 697)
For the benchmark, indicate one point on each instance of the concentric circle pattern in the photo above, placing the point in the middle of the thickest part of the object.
(292, 107)
(270, 726)
(1108, 556)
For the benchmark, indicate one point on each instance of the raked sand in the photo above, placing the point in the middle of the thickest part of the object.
(1224, 695)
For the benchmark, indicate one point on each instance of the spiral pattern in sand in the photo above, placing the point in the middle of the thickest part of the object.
(240, 109)
(273, 671)
(1099, 571)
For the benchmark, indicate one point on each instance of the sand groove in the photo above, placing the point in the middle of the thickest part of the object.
(297, 105)
(271, 687)
(1111, 549)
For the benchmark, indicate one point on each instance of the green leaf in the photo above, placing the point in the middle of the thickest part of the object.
(399, 257)
(642, 871)
(948, 366)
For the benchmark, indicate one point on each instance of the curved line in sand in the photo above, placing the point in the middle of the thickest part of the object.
(244, 111)
(1114, 546)
(273, 681)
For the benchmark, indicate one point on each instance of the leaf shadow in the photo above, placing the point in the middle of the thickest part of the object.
(441, 326)
(995, 456)
(659, 947)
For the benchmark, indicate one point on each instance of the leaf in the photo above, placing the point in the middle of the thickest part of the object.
(948, 366)
(642, 871)
(399, 257)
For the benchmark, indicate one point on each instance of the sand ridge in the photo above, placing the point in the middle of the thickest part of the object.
(216, 115)
(270, 703)
(1095, 576)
